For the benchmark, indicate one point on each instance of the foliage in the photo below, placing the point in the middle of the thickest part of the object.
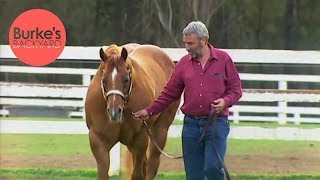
(273, 24)
(232, 24)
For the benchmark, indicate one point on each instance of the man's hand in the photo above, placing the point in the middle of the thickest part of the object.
(142, 114)
(218, 105)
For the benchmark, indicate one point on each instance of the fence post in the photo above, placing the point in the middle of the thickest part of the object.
(115, 160)
(86, 79)
(282, 85)
(296, 117)
(235, 116)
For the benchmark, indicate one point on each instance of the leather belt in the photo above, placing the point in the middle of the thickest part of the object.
(201, 116)
(198, 116)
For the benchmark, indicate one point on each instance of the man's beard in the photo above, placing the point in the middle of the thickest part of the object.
(196, 53)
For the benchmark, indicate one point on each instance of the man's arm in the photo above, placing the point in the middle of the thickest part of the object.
(171, 92)
(233, 87)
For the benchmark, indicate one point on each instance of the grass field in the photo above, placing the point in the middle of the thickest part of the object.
(179, 122)
(32, 146)
(52, 144)
(88, 174)
(41, 119)
(64, 146)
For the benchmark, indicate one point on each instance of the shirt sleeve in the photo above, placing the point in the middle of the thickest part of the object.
(171, 92)
(233, 86)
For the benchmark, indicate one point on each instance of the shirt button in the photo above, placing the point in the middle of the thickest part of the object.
(201, 106)
(201, 74)
(201, 84)
(200, 94)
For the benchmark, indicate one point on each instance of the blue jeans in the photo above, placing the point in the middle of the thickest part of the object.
(200, 159)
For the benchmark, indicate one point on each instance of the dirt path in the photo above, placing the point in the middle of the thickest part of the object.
(235, 164)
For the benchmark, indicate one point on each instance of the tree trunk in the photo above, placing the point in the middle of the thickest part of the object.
(289, 24)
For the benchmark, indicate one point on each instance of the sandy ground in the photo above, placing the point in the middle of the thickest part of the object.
(294, 163)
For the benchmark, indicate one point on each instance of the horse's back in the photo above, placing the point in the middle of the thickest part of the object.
(131, 46)
(153, 59)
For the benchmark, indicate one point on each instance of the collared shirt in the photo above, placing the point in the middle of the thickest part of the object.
(218, 79)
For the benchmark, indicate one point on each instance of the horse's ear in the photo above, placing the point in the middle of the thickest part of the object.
(103, 56)
(124, 53)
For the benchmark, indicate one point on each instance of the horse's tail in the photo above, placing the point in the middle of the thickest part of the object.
(128, 164)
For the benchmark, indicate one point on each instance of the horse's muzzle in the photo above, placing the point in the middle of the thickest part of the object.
(115, 114)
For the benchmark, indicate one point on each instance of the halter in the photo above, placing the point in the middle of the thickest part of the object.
(117, 92)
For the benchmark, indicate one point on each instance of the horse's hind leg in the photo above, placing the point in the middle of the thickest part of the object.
(101, 154)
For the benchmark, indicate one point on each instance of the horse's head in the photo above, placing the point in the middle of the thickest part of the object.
(116, 80)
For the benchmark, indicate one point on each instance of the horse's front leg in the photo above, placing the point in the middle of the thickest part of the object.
(101, 154)
(138, 150)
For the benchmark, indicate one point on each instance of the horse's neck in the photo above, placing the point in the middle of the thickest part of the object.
(141, 80)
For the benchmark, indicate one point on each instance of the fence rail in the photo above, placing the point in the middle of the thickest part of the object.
(238, 55)
(72, 95)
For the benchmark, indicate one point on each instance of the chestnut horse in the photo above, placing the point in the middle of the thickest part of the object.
(128, 79)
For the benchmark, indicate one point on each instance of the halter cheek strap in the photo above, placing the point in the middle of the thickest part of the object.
(102, 90)
(130, 88)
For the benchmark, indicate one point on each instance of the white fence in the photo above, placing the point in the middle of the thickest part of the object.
(51, 95)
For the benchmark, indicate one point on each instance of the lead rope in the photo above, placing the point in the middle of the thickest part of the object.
(156, 144)
(214, 118)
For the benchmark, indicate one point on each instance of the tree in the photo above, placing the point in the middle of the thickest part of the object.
(289, 25)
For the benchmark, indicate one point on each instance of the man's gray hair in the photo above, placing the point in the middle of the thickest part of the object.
(198, 28)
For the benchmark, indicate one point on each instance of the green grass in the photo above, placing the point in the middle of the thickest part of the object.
(88, 174)
(68, 145)
(41, 119)
(65, 144)
(275, 124)
(264, 124)
(178, 122)
(47, 173)
(44, 144)
(273, 148)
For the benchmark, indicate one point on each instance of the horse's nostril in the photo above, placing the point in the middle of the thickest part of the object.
(114, 113)
(120, 110)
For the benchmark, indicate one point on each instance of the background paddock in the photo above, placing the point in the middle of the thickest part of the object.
(273, 110)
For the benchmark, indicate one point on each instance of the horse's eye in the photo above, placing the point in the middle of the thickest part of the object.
(126, 79)
(104, 81)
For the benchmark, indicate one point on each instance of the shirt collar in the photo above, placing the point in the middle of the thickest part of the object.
(213, 54)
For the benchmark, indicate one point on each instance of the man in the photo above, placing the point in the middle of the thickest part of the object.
(209, 80)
